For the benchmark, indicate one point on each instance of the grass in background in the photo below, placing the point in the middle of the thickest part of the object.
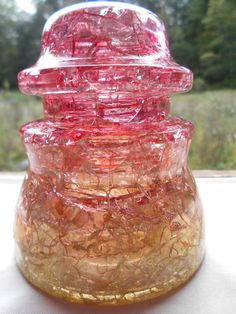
(15, 110)
(212, 112)
(214, 116)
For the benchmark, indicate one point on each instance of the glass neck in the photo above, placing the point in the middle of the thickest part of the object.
(121, 108)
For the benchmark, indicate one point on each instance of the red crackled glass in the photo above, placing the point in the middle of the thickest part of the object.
(109, 212)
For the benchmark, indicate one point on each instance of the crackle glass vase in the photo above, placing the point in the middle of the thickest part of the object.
(109, 212)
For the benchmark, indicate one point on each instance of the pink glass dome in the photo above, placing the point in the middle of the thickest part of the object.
(108, 34)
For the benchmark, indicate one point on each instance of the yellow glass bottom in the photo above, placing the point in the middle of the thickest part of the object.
(141, 245)
(109, 299)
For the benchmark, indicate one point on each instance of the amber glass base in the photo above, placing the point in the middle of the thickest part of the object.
(106, 299)
(145, 243)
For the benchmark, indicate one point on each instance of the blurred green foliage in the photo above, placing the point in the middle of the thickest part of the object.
(214, 116)
(15, 110)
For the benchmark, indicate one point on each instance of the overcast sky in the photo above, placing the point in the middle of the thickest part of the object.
(26, 5)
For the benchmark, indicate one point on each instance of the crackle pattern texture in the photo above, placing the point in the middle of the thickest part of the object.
(108, 212)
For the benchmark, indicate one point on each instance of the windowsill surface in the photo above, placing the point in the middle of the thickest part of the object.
(211, 291)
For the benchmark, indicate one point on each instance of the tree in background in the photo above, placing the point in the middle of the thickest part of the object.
(218, 50)
(8, 44)
(192, 28)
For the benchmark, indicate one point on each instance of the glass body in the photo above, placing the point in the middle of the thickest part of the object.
(109, 212)
(113, 218)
